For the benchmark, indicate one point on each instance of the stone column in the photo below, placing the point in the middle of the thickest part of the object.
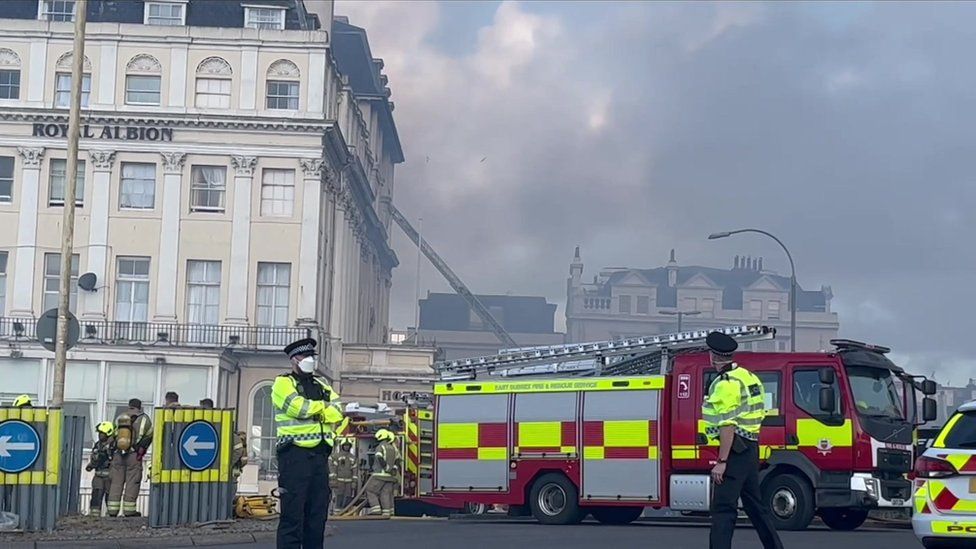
(21, 303)
(308, 260)
(169, 238)
(93, 303)
(240, 241)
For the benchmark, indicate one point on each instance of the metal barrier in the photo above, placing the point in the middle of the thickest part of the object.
(72, 463)
(191, 466)
(32, 453)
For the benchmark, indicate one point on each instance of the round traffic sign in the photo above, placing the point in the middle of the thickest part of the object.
(47, 329)
(20, 446)
(198, 446)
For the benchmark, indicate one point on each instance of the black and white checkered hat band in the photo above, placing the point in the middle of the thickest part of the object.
(302, 350)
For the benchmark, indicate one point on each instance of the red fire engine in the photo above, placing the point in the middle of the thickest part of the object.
(621, 432)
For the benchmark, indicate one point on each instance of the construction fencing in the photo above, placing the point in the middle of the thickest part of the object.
(40, 464)
(191, 479)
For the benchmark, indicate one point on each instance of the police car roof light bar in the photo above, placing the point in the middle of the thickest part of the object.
(510, 360)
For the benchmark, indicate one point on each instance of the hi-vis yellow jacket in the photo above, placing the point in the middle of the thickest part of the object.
(735, 398)
(300, 420)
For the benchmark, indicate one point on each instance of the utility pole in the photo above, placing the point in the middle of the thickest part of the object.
(68, 215)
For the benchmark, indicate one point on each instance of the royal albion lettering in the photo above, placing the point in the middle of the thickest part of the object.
(125, 133)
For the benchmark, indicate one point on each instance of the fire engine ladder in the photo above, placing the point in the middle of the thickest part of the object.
(477, 306)
(614, 357)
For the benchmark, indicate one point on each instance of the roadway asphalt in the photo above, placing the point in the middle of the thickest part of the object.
(426, 534)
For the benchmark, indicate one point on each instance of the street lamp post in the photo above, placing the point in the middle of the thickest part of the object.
(715, 236)
(680, 315)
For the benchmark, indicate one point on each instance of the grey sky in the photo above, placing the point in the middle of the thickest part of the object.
(633, 128)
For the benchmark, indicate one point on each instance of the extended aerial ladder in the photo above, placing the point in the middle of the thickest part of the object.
(476, 305)
(630, 356)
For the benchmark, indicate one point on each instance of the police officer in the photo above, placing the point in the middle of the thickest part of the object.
(386, 470)
(733, 412)
(99, 463)
(307, 414)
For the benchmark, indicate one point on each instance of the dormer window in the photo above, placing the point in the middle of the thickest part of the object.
(264, 17)
(168, 14)
(56, 10)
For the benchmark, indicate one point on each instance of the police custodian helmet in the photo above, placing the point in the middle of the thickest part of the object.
(300, 347)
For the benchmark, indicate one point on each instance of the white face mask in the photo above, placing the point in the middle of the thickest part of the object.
(307, 364)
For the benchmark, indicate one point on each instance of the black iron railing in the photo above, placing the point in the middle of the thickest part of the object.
(164, 333)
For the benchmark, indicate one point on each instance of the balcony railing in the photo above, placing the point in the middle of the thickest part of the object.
(166, 334)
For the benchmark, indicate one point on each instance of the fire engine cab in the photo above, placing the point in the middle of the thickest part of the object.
(620, 430)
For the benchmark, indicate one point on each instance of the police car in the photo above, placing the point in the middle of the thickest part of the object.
(945, 485)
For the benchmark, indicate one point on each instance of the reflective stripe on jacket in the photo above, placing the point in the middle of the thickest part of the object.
(736, 398)
(302, 421)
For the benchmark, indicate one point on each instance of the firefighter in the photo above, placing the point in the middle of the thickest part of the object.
(386, 469)
(133, 435)
(307, 413)
(342, 474)
(733, 412)
(23, 401)
(100, 462)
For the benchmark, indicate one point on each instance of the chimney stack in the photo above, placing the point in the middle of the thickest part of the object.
(760, 264)
(735, 263)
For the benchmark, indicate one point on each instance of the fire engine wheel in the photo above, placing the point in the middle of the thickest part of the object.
(475, 508)
(616, 515)
(843, 519)
(554, 500)
(790, 500)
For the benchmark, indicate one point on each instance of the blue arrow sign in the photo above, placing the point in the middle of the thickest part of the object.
(198, 446)
(19, 446)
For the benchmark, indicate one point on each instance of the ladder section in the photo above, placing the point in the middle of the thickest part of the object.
(462, 290)
(574, 356)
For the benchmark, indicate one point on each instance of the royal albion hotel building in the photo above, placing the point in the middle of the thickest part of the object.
(237, 157)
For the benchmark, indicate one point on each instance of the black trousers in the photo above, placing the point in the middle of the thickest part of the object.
(303, 485)
(741, 481)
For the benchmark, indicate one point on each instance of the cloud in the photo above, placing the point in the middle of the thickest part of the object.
(846, 131)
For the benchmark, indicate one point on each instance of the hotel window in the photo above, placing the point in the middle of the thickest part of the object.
(138, 189)
(643, 304)
(6, 178)
(772, 310)
(263, 435)
(143, 81)
(130, 381)
(282, 95)
(58, 178)
(282, 85)
(81, 388)
(755, 308)
(57, 10)
(207, 188)
(203, 299)
(213, 84)
(274, 283)
(624, 304)
(52, 281)
(277, 192)
(707, 307)
(62, 90)
(213, 93)
(132, 298)
(142, 90)
(264, 18)
(9, 83)
(167, 14)
(3, 283)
